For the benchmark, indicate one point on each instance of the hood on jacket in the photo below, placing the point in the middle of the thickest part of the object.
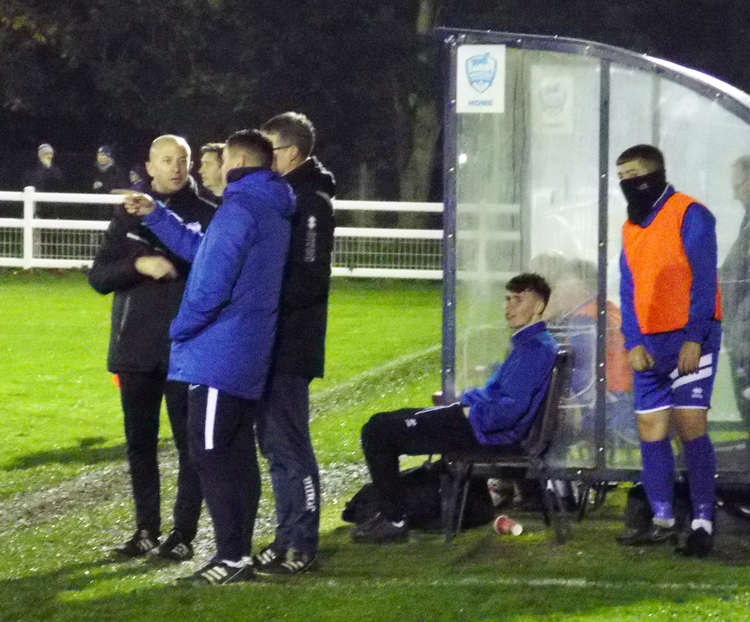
(311, 176)
(245, 178)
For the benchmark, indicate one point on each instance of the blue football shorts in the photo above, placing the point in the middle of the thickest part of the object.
(662, 387)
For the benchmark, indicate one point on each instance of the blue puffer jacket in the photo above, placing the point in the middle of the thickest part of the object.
(503, 410)
(224, 331)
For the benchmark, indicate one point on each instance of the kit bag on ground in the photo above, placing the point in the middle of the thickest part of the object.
(422, 486)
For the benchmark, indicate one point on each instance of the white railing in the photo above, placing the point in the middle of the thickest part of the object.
(32, 242)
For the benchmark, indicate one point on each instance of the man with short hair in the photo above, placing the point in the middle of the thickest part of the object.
(148, 281)
(671, 320)
(498, 414)
(284, 426)
(212, 176)
(223, 335)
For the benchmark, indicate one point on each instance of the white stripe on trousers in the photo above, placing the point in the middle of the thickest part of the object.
(208, 431)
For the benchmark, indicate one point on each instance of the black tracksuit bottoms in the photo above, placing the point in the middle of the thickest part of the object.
(141, 394)
(222, 447)
(414, 432)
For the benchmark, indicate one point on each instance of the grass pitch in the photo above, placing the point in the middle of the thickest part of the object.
(64, 497)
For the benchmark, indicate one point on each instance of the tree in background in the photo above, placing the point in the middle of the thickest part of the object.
(82, 73)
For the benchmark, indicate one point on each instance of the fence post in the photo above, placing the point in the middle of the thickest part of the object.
(28, 229)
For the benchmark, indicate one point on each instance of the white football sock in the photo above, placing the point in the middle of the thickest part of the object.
(699, 523)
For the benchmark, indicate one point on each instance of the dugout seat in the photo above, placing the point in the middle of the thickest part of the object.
(526, 458)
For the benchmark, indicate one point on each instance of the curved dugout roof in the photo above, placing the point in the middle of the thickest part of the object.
(730, 97)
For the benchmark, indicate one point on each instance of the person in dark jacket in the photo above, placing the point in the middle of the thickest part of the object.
(212, 177)
(223, 335)
(148, 281)
(45, 176)
(284, 424)
(107, 175)
(500, 413)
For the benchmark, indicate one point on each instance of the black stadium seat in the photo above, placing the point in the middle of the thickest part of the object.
(526, 457)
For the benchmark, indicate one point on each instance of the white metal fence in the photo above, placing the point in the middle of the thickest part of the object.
(30, 241)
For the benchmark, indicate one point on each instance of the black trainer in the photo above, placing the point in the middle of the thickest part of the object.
(696, 542)
(267, 556)
(219, 573)
(379, 529)
(292, 562)
(175, 547)
(653, 534)
(141, 543)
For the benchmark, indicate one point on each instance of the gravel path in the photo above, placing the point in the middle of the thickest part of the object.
(109, 485)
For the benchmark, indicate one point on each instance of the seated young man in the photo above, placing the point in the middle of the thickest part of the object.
(498, 414)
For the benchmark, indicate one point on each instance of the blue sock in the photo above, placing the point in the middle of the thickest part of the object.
(657, 476)
(701, 465)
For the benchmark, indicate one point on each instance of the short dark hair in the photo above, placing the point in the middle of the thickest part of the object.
(254, 143)
(294, 128)
(529, 281)
(217, 148)
(649, 153)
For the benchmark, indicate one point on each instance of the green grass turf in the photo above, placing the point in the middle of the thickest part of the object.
(61, 410)
(62, 427)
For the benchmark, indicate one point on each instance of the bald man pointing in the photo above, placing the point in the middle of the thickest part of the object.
(148, 282)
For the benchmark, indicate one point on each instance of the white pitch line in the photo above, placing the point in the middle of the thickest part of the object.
(578, 584)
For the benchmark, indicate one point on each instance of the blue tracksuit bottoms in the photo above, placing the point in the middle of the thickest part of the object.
(284, 439)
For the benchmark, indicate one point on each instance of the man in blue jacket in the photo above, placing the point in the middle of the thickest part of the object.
(223, 334)
(500, 413)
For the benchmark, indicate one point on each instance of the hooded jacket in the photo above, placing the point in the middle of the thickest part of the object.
(300, 345)
(143, 308)
(224, 331)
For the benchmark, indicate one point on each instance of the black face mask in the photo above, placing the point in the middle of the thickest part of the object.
(642, 192)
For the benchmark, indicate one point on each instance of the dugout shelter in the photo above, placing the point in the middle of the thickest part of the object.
(532, 128)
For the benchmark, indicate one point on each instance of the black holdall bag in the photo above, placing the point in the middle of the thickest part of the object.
(422, 485)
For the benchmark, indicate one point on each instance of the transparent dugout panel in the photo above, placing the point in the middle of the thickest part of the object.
(528, 187)
(527, 199)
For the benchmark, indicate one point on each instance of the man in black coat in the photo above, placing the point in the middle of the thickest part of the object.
(148, 281)
(212, 176)
(45, 176)
(284, 426)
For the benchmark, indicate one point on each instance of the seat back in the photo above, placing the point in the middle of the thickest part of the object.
(547, 419)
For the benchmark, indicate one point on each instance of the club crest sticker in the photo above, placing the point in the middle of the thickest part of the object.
(481, 70)
(480, 86)
(552, 100)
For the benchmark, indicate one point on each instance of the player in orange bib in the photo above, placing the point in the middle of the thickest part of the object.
(671, 312)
